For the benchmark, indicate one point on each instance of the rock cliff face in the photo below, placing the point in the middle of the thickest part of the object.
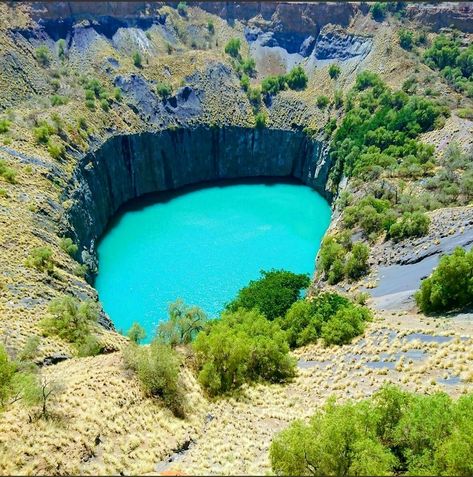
(129, 166)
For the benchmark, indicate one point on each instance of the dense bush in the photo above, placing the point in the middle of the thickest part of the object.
(242, 347)
(56, 149)
(43, 131)
(248, 66)
(339, 258)
(393, 432)
(4, 125)
(72, 321)
(329, 316)
(164, 89)
(297, 78)
(69, 246)
(450, 286)
(454, 61)
(57, 100)
(322, 102)
(43, 55)
(41, 258)
(232, 48)
(334, 71)
(406, 39)
(260, 119)
(272, 294)
(182, 8)
(273, 84)
(183, 325)
(378, 11)
(157, 367)
(7, 173)
(415, 224)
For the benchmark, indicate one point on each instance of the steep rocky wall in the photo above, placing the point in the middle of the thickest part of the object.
(129, 166)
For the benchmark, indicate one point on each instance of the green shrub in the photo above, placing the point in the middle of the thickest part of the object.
(232, 48)
(378, 11)
(306, 321)
(43, 55)
(71, 320)
(271, 85)
(41, 259)
(104, 104)
(450, 286)
(4, 125)
(347, 323)
(415, 224)
(137, 59)
(297, 78)
(334, 71)
(465, 113)
(7, 173)
(16, 379)
(61, 49)
(183, 325)
(339, 258)
(391, 433)
(248, 66)
(81, 270)
(322, 102)
(89, 345)
(242, 347)
(157, 367)
(260, 119)
(211, 27)
(57, 100)
(164, 89)
(245, 82)
(254, 95)
(406, 39)
(56, 149)
(69, 246)
(90, 103)
(272, 294)
(136, 333)
(43, 131)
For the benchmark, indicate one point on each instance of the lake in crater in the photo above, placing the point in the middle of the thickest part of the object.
(202, 244)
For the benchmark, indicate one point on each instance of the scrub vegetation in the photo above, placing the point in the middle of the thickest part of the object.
(393, 432)
(450, 286)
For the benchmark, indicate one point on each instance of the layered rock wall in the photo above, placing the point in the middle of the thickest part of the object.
(129, 166)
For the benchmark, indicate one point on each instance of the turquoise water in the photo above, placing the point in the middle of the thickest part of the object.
(203, 245)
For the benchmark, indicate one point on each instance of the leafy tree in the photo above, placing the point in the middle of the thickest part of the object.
(242, 347)
(43, 55)
(356, 264)
(406, 39)
(347, 323)
(450, 286)
(297, 78)
(137, 59)
(157, 367)
(465, 62)
(232, 48)
(392, 432)
(272, 294)
(183, 325)
(71, 320)
(334, 71)
(443, 52)
(136, 333)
